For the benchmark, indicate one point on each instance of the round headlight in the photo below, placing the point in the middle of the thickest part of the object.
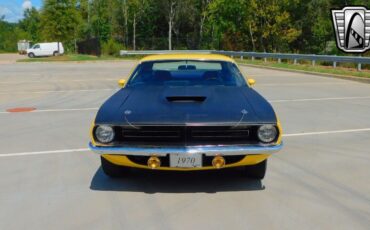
(104, 133)
(267, 133)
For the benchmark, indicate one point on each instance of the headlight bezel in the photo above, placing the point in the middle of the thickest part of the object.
(106, 128)
(274, 129)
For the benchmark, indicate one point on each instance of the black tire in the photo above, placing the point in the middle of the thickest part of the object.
(113, 170)
(31, 55)
(257, 171)
(56, 53)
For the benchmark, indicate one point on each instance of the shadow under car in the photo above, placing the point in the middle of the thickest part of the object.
(151, 181)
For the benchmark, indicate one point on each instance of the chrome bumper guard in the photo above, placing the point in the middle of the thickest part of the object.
(211, 150)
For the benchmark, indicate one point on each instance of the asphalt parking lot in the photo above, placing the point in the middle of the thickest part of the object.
(50, 180)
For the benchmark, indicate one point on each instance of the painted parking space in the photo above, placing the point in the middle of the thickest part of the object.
(49, 177)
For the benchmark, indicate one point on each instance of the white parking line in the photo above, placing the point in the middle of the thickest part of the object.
(86, 149)
(60, 80)
(304, 83)
(43, 152)
(55, 91)
(54, 110)
(326, 132)
(318, 99)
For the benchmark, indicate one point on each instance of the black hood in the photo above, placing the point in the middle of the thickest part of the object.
(184, 105)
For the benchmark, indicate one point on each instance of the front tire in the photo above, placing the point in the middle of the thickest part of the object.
(113, 170)
(257, 171)
(56, 53)
(31, 55)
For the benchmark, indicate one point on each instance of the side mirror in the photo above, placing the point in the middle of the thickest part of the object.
(251, 82)
(121, 83)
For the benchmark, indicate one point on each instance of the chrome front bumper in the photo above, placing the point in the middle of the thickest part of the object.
(211, 150)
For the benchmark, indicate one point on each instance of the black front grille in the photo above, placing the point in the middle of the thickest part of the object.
(153, 135)
(219, 135)
(186, 135)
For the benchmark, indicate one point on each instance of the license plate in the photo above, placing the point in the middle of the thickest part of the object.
(185, 160)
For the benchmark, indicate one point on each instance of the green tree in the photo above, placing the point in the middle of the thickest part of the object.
(172, 11)
(84, 29)
(9, 35)
(31, 24)
(137, 10)
(225, 24)
(100, 19)
(272, 25)
(203, 16)
(59, 21)
(302, 26)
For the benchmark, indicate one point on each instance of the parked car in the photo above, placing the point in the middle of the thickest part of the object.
(46, 49)
(186, 112)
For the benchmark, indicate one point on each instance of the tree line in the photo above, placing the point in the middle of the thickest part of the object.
(299, 26)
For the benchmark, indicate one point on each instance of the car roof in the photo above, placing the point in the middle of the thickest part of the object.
(187, 56)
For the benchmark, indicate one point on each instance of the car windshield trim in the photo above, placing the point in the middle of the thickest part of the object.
(186, 72)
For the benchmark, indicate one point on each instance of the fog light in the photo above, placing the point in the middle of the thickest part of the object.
(154, 162)
(218, 162)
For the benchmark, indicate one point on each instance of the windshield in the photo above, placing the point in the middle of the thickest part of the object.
(187, 73)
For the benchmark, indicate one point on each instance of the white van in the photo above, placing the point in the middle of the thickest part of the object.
(45, 49)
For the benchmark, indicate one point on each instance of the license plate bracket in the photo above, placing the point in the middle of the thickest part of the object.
(185, 160)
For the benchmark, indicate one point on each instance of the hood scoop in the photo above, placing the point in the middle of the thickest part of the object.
(186, 99)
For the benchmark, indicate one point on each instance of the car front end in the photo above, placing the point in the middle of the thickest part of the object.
(190, 147)
(184, 113)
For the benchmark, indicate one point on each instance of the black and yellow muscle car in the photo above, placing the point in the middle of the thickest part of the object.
(186, 112)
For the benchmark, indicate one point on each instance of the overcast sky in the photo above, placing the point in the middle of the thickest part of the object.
(13, 9)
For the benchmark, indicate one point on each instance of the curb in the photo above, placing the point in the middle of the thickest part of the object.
(351, 78)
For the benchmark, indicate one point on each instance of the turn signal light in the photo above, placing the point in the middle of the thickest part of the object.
(154, 162)
(218, 162)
